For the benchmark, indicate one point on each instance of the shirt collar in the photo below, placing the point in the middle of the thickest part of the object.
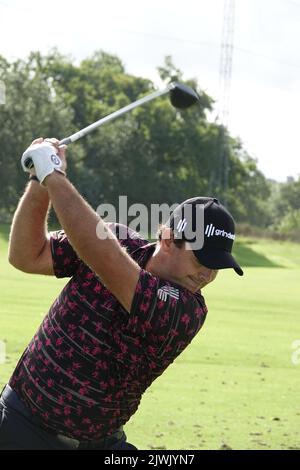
(144, 253)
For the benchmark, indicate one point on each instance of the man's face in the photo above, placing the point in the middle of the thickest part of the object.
(184, 269)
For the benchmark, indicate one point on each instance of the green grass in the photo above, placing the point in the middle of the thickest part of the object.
(234, 387)
(24, 300)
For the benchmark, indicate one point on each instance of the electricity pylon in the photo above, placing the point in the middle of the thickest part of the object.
(227, 47)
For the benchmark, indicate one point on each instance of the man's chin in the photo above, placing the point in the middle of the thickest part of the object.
(203, 285)
(194, 287)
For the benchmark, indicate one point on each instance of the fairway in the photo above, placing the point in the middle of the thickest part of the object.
(234, 387)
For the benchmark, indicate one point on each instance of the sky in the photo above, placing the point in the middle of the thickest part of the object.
(265, 83)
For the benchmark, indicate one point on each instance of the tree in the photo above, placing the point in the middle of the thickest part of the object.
(154, 154)
(32, 108)
(285, 209)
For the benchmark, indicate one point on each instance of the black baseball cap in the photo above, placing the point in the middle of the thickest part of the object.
(208, 226)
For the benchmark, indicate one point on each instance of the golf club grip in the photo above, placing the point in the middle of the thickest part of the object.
(66, 141)
(29, 163)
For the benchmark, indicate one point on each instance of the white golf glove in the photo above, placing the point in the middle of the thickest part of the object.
(44, 159)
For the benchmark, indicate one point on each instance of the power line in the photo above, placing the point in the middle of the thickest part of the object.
(171, 38)
(212, 44)
(272, 59)
(194, 41)
(14, 7)
(293, 3)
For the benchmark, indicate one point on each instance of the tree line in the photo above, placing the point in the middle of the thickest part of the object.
(155, 154)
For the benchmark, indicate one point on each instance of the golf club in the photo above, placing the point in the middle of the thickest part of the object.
(181, 97)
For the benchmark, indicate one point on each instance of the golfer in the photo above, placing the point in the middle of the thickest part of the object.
(129, 309)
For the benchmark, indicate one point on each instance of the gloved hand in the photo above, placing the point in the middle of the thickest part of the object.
(44, 159)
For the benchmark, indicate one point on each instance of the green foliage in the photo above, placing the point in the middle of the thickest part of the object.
(290, 225)
(285, 209)
(32, 109)
(154, 154)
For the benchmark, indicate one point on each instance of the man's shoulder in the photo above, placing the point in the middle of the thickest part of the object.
(127, 237)
(169, 292)
(178, 292)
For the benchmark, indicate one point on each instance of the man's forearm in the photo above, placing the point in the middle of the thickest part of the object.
(117, 270)
(29, 227)
(79, 221)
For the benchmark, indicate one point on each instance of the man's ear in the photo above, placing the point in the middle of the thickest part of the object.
(167, 238)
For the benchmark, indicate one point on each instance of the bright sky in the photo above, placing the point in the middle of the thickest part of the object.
(265, 87)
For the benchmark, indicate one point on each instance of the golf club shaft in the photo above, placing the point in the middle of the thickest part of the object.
(110, 117)
(114, 115)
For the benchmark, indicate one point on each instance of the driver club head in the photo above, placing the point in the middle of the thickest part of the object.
(182, 96)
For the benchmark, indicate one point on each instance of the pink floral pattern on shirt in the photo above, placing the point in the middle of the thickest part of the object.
(85, 370)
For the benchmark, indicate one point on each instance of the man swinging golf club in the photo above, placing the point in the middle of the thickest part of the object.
(130, 308)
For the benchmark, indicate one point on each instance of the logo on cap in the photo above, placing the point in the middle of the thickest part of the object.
(181, 225)
(211, 231)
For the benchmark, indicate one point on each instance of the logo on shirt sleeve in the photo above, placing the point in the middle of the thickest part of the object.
(166, 291)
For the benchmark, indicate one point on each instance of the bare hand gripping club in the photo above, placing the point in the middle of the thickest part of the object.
(181, 97)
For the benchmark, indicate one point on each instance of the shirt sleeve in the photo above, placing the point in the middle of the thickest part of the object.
(166, 315)
(65, 259)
